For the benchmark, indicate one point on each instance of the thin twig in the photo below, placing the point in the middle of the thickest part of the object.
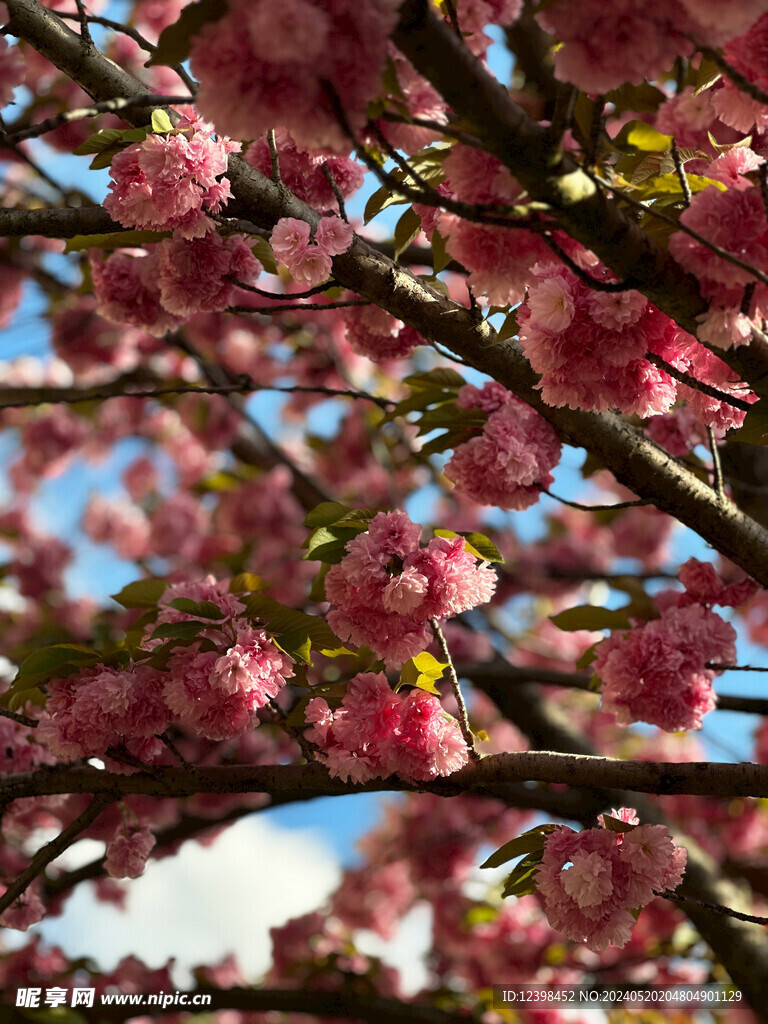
(746, 298)
(597, 508)
(595, 130)
(735, 668)
(18, 718)
(717, 469)
(137, 37)
(591, 282)
(55, 848)
(681, 174)
(453, 18)
(336, 190)
(466, 731)
(284, 307)
(317, 290)
(697, 385)
(735, 76)
(676, 897)
(435, 126)
(85, 32)
(105, 107)
(243, 385)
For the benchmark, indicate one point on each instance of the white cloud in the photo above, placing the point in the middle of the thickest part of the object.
(203, 903)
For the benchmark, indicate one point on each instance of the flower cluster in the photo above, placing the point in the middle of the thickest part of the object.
(386, 589)
(592, 881)
(628, 42)
(376, 733)
(657, 672)
(310, 264)
(259, 66)
(172, 280)
(168, 181)
(373, 332)
(128, 851)
(735, 221)
(213, 685)
(589, 346)
(509, 463)
(301, 170)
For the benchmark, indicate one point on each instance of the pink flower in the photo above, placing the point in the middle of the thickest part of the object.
(592, 880)
(657, 672)
(374, 333)
(312, 267)
(127, 853)
(334, 235)
(386, 588)
(376, 733)
(510, 462)
(289, 239)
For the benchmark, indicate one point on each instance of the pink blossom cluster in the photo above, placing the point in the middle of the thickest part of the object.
(172, 281)
(628, 42)
(310, 263)
(213, 686)
(373, 332)
(376, 733)
(260, 66)
(168, 181)
(127, 852)
(593, 880)
(735, 221)
(747, 54)
(589, 346)
(704, 586)
(510, 462)
(386, 589)
(301, 170)
(657, 672)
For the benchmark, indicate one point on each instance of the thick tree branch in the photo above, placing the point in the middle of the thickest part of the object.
(368, 1008)
(496, 770)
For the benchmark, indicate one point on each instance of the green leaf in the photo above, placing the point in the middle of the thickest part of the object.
(203, 609)
(422, 672)
(476, 544)
(281, 620)
(381, 199)
(616, 824)
(642, 136)
(246, 583)
(115, 240)
(587, 657)
(589, 616)
(669, 185)
(49, 662)
(175, 41)
(643, 97)
(521, 881)
(406, 229)
(161, 122)
(325, 514)
(141, 593)
(528, 842)
(16, 699)
(451, 439)
(509, 328)
(707, 74)
(178, 630)
(754, 429)
(440, 257)
(441, 378)
(262, 250)
(296, 645)
(98, 141)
